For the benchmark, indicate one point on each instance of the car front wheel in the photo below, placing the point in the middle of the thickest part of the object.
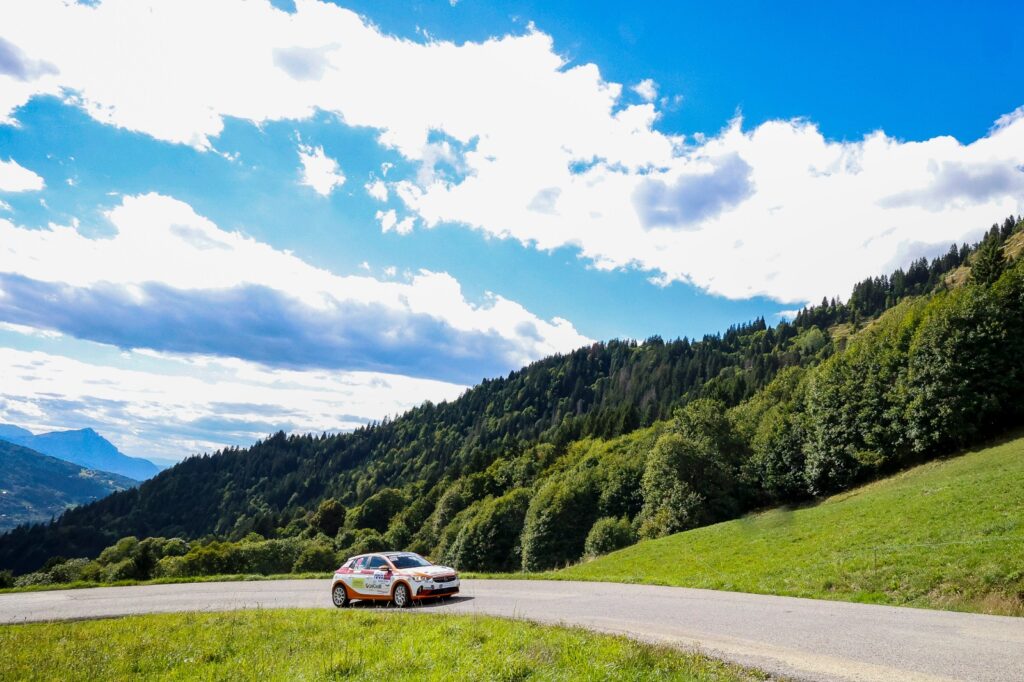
(339, 595)
(401, 596)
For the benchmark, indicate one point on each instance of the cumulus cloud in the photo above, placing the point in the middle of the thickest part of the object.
(647, 89)
(16, 178)
(171, 280)
(377, 190)
(516, 142)
(165, 405)
(389, 221)
(319, 171)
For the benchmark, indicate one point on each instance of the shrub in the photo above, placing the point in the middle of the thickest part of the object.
(119, 551)
(122, 570)
(69, 571)
(170, 567)
(315, 558)
(607, 535)
(30, 579)
(6, 579)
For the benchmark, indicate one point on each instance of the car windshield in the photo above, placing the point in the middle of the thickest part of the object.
(408, 561)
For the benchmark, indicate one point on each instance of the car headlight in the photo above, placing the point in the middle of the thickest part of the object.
(418, 578)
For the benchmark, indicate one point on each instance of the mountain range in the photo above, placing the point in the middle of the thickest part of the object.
(84, 447)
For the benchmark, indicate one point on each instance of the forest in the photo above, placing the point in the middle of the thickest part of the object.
(580, 454)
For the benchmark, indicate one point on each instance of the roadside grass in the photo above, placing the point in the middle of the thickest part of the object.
(317, 644)
(948, 535)
(233, 577)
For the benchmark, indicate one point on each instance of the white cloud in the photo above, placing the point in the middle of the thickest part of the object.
(319, 171)
(29, 331)
(377, 189)
(497, 125)
(387, 219)
(162, 250)
(16, 178)
(174, 405)
(647, 89)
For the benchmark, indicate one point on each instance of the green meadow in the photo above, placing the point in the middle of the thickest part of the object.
(320, 644)
(948, 534)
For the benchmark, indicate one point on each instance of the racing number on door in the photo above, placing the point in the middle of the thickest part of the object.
(379, 580)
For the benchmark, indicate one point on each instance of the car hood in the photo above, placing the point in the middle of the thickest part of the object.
(427, 571)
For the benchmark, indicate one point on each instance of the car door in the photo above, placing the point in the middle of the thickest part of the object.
(380, 576)
(357, 577)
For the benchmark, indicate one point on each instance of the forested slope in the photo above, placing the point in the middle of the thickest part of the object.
(616, 440)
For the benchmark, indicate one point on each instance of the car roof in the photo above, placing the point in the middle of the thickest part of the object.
(386, 555)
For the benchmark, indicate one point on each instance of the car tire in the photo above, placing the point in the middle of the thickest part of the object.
(339, 595)
(401, 596)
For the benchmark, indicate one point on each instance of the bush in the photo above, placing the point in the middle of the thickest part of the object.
(30, 579)
(6, 579)
(119, 551)
(315, 558)
(170, 567)
(69, 571)
(122, 570)
(607, 535)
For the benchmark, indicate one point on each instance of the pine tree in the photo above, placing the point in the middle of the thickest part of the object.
(989, 262)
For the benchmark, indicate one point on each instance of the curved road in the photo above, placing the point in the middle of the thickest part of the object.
(799, 638)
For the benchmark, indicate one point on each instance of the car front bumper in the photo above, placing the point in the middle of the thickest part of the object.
(424, 592)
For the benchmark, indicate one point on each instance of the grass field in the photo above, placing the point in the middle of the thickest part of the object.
(230, 577)
(948, 534)
(337, 645)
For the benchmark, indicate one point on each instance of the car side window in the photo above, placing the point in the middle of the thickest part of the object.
(377, 562)
(358, 563)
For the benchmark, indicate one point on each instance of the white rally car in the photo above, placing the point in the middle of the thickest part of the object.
(399, 577)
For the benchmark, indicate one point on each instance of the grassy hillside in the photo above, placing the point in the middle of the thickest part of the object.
(328, 645)
(948, 534)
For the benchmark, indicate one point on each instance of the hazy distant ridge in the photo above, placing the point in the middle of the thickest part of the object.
(84, 447)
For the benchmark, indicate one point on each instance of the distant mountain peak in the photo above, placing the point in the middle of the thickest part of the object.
(85, 447)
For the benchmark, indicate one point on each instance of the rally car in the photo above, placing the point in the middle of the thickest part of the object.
(399, 577)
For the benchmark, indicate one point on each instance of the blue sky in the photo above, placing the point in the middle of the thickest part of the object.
(332, 215)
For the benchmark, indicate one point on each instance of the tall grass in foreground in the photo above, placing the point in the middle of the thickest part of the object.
(336, 645)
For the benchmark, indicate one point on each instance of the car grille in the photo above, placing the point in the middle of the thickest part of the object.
(444, 578)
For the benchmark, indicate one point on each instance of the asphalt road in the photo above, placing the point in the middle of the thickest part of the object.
(799, 638)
